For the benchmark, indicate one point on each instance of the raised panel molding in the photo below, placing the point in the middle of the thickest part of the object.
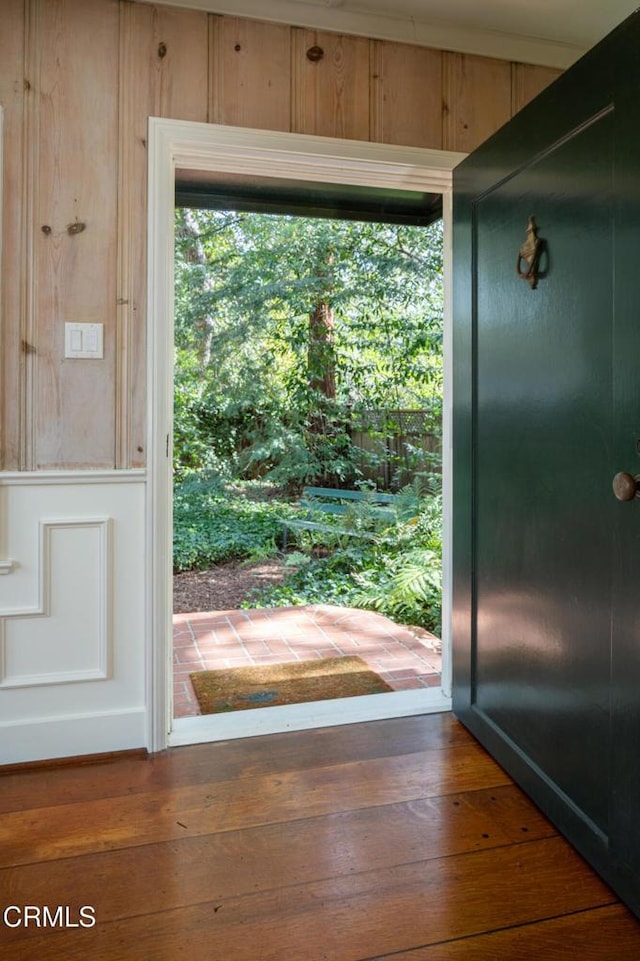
(73, 613)
(74, 561)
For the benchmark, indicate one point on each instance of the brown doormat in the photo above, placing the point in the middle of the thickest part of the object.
(243, 688)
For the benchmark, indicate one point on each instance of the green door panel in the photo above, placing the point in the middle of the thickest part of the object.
(546, 619)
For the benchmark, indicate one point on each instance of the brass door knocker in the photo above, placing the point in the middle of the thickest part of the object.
(530, 252)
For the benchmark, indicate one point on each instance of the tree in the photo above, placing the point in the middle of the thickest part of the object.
(293, 321)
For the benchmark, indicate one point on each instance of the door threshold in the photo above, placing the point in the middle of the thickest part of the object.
(301, 717)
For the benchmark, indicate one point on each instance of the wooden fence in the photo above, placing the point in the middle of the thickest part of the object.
(395, 445)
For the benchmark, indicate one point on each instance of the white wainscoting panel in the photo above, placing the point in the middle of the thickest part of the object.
(72, 614)
(76, 598)
(20, 588)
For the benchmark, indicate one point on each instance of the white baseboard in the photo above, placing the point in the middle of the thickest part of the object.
(39, 739)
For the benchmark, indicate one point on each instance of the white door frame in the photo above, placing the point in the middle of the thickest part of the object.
(198, 146)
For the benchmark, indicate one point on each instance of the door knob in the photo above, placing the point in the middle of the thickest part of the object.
(625, 486)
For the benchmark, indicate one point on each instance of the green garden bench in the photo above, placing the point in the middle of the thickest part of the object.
(329, 500)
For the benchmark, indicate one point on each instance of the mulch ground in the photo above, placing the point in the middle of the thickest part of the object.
(223, 588)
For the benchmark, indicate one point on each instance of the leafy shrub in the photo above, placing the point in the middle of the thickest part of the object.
(393, 569)
(283, 321)
(284, 448)
(214, 522)
(397, 572)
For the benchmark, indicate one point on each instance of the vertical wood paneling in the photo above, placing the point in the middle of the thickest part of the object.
(250, 73)
(30, 202)
(169, 64)
(12, 243)
(477, 99)
(528, 81)
(164, 69)
(78, 81)
(331, 94)
(406, 95)
(77, 173)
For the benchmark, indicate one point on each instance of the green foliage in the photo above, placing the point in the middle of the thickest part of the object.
(251, 382)
(395, 569)
(397, 573)
(197, 444)
(213, 522)
(287, 331)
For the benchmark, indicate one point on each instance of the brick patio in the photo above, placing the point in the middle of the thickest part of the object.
(407, 658)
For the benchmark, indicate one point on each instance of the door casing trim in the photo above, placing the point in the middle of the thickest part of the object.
(212, 147)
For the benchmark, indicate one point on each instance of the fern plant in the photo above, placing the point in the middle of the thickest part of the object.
(406, 588)
(396, 572)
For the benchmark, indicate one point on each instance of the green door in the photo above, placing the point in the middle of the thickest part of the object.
(546, 626)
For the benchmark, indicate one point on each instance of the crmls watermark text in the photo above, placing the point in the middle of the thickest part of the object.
(42, 916)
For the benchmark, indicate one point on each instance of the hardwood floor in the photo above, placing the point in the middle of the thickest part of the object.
(394, 840)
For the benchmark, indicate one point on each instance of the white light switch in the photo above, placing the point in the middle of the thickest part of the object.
(83, 340)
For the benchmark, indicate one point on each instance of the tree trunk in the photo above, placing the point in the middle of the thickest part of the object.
(193, 253)
(321, 356)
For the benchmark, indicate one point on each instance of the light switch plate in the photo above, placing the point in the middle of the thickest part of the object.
(84, 340)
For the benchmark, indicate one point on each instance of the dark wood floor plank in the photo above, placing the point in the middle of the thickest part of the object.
(236, 863)
(227, 760)
(349, 918)
(605, 934)
(207, 808)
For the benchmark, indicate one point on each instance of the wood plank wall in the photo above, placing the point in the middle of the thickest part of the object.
(78, 79)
